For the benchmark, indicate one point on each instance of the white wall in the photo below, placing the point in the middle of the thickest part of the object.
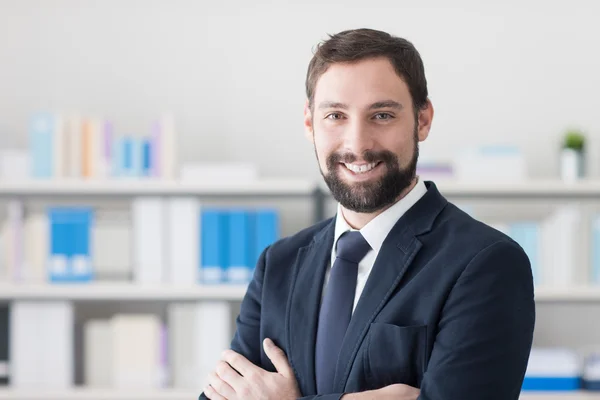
(233, 72)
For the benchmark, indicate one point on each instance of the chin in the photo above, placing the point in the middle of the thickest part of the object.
(370, 195)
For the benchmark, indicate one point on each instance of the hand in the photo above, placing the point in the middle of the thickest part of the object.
(236, 378)
(399, 392)
(391, 392)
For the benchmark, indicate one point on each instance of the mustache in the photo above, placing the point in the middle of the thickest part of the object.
(368, 156)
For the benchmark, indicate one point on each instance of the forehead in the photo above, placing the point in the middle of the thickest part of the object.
(361, 83)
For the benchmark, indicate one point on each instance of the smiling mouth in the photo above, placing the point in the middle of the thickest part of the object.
(361, 168)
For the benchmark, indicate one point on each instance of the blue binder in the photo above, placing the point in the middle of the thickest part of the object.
(81, 259)
(266, 231)
(551, 384)
(137, 157)
(213, 245)
(41, 136)
(70, 250)
(58, 259)
(146, 157)
(239, 246)
(127, 168)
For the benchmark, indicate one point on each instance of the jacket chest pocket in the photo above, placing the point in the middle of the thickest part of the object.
(395, 354)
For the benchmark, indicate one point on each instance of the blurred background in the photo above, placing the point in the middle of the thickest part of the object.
(149, 151)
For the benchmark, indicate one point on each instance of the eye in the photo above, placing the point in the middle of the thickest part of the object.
(383, 116)
(334, 116)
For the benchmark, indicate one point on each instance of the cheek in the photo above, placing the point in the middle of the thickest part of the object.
(322, 144)
(325, 143)
(398, 140)
(403, 146)
(405, 149)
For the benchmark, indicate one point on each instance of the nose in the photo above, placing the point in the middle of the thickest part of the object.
(358, 138)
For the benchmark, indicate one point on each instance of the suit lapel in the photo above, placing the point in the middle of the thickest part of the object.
(395, 257)
(303, 307)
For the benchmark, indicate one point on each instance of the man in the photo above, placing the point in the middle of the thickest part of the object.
(401, 295)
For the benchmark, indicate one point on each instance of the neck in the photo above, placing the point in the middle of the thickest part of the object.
(358, 220)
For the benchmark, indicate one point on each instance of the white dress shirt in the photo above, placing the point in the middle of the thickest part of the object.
(374, 233)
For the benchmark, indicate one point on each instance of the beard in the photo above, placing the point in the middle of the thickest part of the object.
(374, 195)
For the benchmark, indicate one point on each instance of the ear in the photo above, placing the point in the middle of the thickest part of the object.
(308, 125)
(425, 120)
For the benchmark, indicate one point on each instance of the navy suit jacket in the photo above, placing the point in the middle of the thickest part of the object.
(448, 308)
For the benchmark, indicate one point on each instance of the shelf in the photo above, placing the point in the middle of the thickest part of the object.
(105, 291)
(560, 396)
(568, 294)
(120, 292)
(147, 187)
(284, 187)
(587, 188)
(96, 394)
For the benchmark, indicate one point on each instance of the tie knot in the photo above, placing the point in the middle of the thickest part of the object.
(352, 246)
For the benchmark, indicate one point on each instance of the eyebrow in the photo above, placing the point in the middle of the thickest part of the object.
(386, 104)
(374, 106)
(332, 104)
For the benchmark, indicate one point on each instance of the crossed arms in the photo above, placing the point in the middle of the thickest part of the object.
(481, 347)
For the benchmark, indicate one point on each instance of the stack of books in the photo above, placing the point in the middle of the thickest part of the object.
(138, 351)
(562, 370)
(90, 148)
(563, 246)
(171, 240)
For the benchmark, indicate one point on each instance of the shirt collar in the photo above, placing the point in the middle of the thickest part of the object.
(378, 228)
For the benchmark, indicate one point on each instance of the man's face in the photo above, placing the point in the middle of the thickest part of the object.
(365, 133)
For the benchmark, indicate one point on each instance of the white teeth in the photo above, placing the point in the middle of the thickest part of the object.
(359, 169)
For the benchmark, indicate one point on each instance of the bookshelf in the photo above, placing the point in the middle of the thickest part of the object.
(263, 188)
(568, 294)
(313, 192)
(120, 292)
(106, 291)
(293, 186)
(151, 187)
(527, 189)
(120, 188)
(280, 187)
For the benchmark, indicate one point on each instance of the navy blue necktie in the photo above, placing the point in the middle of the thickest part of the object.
(336, 309)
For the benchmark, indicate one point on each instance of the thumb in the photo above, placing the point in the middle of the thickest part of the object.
(277, 357)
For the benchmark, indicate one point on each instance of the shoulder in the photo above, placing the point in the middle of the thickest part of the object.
(461, 223)
(472, 237)
(289, 245)
(475, 255)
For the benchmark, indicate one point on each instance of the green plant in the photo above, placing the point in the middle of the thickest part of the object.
(574, 139)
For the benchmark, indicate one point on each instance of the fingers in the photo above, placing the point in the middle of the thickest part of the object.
(221, 387)
(239, 362)
(277, 357)
(415, 393)
(401, 391)
(229, 376)
(410, 391)
(211, 394)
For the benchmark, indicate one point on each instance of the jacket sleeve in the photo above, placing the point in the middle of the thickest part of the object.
(246, 340)
(485, 333)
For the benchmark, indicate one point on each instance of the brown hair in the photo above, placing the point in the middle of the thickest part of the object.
(360, 44)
